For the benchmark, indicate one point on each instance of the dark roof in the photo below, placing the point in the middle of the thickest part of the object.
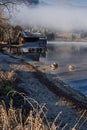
(28, 34)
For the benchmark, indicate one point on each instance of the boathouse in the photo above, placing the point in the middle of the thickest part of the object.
(31, 42)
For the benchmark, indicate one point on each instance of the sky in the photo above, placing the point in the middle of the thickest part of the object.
(78, 2)
(65, 15)
(72, 2)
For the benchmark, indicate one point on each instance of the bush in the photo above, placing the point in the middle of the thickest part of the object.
(7, 80)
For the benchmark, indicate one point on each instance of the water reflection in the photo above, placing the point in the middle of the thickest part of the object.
(35, 56)
(65, 54)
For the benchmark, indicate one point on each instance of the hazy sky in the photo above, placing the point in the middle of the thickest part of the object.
(77, 2)
(64, 15)
(72, 2)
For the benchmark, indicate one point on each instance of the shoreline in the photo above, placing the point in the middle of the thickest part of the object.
(56, 85)
(34, 80)
(62, 89)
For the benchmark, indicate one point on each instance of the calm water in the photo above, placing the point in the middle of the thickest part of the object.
(69, 53)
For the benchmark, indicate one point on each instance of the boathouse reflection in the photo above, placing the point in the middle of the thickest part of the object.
(35, 56)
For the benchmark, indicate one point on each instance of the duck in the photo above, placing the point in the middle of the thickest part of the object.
(71, 67)
(54, 66)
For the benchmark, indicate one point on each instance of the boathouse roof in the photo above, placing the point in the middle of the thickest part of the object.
(28, 34)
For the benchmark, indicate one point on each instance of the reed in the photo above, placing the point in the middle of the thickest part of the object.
(36, 119)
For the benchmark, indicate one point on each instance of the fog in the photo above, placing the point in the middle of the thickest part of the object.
(57, 17)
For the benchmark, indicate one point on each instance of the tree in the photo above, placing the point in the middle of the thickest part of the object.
(4, 8)
(73, 37)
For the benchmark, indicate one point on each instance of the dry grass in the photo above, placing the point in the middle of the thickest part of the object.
(34, 118)
(16, 119)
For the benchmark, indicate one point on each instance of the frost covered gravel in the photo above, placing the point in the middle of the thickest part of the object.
(40, 92)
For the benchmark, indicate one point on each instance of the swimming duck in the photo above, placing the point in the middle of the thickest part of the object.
(54, 66)
(71, 67)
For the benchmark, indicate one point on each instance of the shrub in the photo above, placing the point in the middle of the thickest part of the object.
(7, 80)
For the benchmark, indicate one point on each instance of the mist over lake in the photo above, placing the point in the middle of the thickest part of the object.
(65, 54)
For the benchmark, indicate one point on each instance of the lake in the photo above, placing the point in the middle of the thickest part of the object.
(65, 54)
